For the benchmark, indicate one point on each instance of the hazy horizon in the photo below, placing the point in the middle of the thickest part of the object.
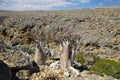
(28, 5)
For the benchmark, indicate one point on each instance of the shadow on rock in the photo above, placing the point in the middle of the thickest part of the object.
(7, 73)
(80, 67)
(31, 69)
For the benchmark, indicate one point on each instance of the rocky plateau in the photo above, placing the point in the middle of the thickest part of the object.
(99, 31)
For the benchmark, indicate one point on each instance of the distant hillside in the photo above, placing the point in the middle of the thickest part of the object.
(99, 28)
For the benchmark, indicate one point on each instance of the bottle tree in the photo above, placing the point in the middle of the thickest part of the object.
(39, 57)
(68, 47)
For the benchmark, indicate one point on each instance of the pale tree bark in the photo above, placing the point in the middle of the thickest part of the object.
(66, 54)
(39, 57)
(68, 50)
(74, 51)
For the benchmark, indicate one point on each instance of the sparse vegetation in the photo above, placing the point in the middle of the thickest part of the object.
(27, 49)
(107, 67)
(87, 30)
(84, 57)
(4, 46)
(79, 58)
(53, 77)
(7, 46)
(101, 66)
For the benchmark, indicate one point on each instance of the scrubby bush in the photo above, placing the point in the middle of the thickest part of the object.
(51, 77)
(107, 67)
(4, 46)
(100, 66)
(79, 58)
(7, 46)
(85, 57)
(27, 49)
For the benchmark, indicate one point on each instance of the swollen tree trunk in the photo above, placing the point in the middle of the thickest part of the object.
(39, 57)
(74, 51)
(66, 54)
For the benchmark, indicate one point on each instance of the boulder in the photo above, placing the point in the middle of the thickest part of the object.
(66, 74)
(54, 54)
(55, 64)
(74, 71)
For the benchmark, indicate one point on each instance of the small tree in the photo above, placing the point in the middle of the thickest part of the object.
(68, 48)
(66, 54)
(39, 57)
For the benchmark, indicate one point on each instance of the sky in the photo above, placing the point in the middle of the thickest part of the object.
(20, 5)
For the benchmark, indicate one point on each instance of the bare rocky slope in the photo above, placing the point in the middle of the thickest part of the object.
(98, 28)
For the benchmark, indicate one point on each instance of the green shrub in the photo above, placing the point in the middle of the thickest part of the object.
(4, 46)
(83, 57)
(107, 67)
(7, 46)
(79, 58)
(27, 49)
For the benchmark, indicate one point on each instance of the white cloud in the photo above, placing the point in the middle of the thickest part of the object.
(34, 4)
(37, 1)
(84, 1)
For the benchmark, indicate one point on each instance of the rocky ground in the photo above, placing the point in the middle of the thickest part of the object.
(50, 71)
(98, 28)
